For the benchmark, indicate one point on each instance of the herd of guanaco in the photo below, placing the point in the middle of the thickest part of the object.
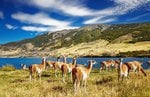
(79, 73)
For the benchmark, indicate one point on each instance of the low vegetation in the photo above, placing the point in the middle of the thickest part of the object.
(8, 67)
(16, 84)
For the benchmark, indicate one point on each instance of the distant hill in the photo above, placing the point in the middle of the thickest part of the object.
(115, 33)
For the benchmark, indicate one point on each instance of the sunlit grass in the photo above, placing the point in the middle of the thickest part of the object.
(16, 84)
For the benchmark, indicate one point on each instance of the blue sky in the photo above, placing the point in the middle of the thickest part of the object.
(22, 19)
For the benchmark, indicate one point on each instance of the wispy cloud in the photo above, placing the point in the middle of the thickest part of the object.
(76, 8)
(45, 29)
(1, 15)
(41, 19)
(68, 7)
(8, 26)
(43, 22)
(34, 29)
(121, 7)
(97, 20)
(139, 17)
(38, 18)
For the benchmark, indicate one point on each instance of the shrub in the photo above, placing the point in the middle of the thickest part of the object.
(8, 67)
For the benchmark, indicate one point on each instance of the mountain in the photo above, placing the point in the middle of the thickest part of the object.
(115, 33)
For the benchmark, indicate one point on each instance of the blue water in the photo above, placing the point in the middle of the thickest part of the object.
(28, 61)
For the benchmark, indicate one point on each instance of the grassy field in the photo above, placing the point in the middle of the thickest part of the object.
(16, 84)
(102, 47)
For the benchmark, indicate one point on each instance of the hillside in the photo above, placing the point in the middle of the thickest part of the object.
(124, 34)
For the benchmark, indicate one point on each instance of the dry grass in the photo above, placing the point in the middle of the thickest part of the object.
(16, 84)
(99, 47)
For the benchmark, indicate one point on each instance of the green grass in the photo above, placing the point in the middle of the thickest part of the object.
(16, 84)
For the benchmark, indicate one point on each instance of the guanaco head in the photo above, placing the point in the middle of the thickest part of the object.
(148, 62)
(92, 62)
(120, 60)
(49, 64)
(58, 58)
(43, 60)
(112, 62)
(74, 60)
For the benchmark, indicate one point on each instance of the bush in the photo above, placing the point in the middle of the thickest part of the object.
(8, 67)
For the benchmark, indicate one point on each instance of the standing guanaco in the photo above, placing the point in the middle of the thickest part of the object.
(81, 74)
(37, 69)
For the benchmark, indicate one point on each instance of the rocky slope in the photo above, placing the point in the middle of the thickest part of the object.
(90, 38)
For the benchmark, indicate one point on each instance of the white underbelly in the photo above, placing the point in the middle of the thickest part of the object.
(38, 70)
(84, 75)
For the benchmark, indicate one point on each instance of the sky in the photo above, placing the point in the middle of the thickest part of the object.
(23, 19)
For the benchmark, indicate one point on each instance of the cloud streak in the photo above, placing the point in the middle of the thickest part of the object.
(38, 18)
(41, 19)
(8, 26)
(73, 8)
(34, 29)
(122, 7)
(76, 8)
(41, 22)
(44, 29)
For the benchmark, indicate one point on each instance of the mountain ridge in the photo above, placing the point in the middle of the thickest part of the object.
(114, 33)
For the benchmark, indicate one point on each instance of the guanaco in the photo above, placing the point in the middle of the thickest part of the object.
(37, 69)
(67, 68)
(81, 74)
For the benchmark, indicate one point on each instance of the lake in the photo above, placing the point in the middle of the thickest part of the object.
(28, 61)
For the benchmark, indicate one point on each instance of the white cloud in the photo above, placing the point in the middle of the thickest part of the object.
(41, 19)
(8, 26)
(62, 28)
(34, 29)
(1, 15)
(45, 29)
(76, 8)
(73, 8)
(93, 20)
(125, 6)
(107, 20)
(121, 7)
(97, 20)
(38, 18)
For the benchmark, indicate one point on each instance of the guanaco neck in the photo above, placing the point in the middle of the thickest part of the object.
(74, 61)
(89, 68)
(44, 62)
(65, 59)
(58, 59)
(119, 66)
